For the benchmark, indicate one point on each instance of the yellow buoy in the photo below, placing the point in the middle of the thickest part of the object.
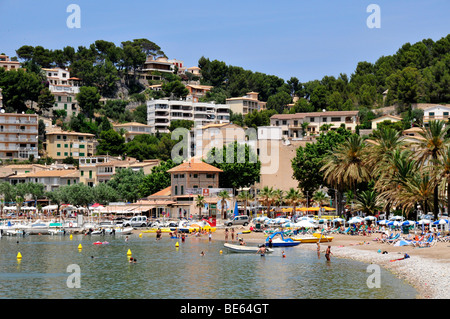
(177, 244)
(80, 247)
(71, 236)
(220, 252)
(19, 255)
(129, 252)
(140, 235)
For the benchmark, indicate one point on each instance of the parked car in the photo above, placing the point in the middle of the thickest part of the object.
(136, 221)
(238, 220)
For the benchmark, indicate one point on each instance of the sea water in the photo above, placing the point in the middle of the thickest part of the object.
(164, 271)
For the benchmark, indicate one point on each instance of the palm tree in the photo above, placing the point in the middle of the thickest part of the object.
(444, 171)
(380, 147)
(345, 165)
(430, 149)
(266, 197)
(320, 198)
(245, 196)
(367, 202)
(278, 196)
(223, 195)
(293, 198)
(200, 202)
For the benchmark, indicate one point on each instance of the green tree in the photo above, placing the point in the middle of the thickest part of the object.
(88, 100)
(111, 143)
(223, 195)
(45, 101)
(124, 182)
(239, 164)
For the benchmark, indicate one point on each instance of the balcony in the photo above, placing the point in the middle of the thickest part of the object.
(427, 118)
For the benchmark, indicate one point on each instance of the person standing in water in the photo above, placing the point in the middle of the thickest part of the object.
(328, 253)
(318, 250)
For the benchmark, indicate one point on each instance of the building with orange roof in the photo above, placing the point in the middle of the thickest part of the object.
(246, 104)
(51, 179)
(132, 129)
(7, 64)
(61, 144)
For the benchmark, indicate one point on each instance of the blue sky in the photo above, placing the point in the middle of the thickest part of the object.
(305, 39)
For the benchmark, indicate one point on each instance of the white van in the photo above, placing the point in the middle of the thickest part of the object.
(136, 221)
(237, 220)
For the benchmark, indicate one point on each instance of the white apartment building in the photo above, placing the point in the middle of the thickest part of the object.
(291, 124)
(160, 113)
(18, 136)
(65, 89)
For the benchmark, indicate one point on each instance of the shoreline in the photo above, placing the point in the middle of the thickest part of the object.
(427, 269)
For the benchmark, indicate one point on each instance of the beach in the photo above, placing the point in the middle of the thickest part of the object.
(427, 269)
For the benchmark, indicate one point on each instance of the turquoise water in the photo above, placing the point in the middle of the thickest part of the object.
(164, 271)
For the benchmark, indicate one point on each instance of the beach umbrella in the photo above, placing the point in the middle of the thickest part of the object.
(383, 222)
(394, 223)
(281, 220)
(355, 220)
(408, 223)
(370, 218)
(289, 224)
(424, 221)
(441, 222)
(396, 218)
(338, 220)
(305, 223)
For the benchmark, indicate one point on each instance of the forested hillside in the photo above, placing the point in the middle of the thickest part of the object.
(417, 72)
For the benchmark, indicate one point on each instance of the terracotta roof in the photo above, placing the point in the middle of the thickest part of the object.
(130, 124)
(69, 133)
(53, 173)
(164, 192)
(195, 166)
(388, 116)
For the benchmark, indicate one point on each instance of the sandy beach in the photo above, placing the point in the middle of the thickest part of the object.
(427, 269)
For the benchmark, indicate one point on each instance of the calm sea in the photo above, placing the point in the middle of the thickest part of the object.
(165, 271)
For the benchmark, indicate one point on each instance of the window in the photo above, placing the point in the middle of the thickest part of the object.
(66, 154)
(176, 190)
(324, 119)
(82, 173)
(335, 119)
(65, 106)
(59, 98)
(195, 175)
(58, 145)
(195, 186)
(182, 190)
(81, 154)
(58, 153)
(90, 174)
(66, 145)
(284, 122)
(312, 119)
(209, 176)
(175, 175)
(81, 145)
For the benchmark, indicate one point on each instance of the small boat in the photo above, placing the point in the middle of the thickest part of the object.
(315, 238)
(120, 230)
(101, 243)
(244, 248)
(281, 242)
